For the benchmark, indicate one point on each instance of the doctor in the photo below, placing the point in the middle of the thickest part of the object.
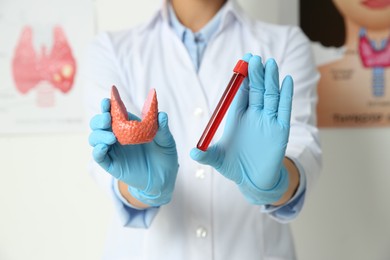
(233, 201)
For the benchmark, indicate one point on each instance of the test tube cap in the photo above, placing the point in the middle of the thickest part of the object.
(241, 68)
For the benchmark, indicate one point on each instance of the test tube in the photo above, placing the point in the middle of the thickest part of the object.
(240, 72)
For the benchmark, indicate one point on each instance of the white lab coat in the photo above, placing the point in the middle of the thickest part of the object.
(208, 217)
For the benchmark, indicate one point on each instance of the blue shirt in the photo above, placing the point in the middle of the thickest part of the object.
(195, 43)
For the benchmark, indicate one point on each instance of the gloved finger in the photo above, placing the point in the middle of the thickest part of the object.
(101, 137)
(100, 121)
(271, 95)
(285, 103)
(239, 103)
(213, 156)
(164, 137)
(256, 82)
(105, 105)
(101, 156)
(99, 152)
(247, 57)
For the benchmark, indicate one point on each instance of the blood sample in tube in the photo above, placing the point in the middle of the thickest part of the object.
(240, 72)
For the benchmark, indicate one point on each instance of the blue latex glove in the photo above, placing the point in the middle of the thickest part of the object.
(148, 169)
(253, 145)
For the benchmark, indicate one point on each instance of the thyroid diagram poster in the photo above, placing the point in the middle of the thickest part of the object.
(351, 40)
(42, 43)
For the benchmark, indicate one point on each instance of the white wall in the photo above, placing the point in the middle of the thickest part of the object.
(348, 214)
(51, 209)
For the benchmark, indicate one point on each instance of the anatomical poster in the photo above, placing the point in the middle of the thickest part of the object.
(351, 41)
(42, 43)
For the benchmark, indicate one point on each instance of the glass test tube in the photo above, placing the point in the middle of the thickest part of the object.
(240, 72)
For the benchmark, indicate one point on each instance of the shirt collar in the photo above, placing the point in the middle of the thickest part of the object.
(206, 32)
(230, 11)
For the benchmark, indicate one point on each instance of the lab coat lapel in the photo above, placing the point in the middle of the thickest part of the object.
(216, 69)
(178, 63)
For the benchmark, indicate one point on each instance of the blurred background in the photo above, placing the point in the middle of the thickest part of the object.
(50, 208)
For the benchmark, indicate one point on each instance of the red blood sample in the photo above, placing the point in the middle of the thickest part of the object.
(240, 72)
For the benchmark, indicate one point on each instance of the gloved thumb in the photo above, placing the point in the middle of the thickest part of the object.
(100, 155)
(212, 156)
(164, 137)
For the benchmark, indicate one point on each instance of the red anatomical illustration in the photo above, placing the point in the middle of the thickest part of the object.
(133, 131)
(24, 65)
(371, 57)
(57, 67)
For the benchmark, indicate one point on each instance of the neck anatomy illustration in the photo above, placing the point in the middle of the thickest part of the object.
(375, 57)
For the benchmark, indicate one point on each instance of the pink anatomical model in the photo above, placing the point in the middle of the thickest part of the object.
(29, 68)
(134, 131)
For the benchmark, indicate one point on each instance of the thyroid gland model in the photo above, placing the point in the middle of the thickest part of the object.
(134, 131)
(30, 67)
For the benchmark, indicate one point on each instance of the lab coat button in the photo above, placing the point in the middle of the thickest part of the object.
(199, 174)
(198, 112)
(201, 232)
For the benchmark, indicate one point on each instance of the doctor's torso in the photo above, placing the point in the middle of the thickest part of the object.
(208, 218)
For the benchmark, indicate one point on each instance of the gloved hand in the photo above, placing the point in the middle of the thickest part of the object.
(253, 145)
(148, 169)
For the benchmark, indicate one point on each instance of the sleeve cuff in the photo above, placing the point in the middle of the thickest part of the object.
(129, 215)
(115, 184)
(289, 211)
